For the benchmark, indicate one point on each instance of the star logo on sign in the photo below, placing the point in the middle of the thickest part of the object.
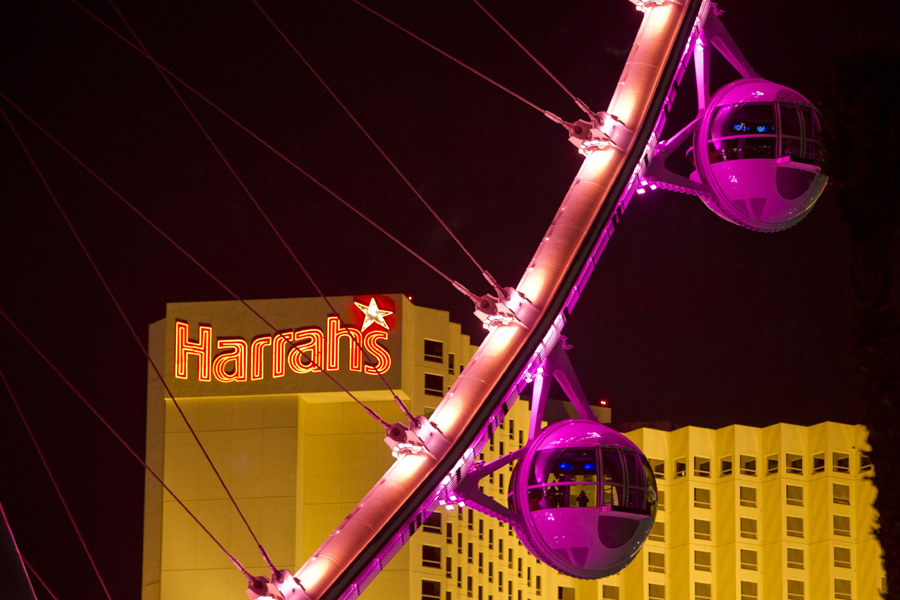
(373, 314)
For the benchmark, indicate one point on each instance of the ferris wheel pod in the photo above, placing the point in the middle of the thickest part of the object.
(759, 150)
(586, 498)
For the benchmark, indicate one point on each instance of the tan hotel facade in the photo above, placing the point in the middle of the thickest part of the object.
(783, 512)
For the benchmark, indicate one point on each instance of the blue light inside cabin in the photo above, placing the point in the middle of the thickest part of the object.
(564, 466)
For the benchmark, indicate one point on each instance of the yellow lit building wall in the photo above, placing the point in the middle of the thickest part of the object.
(783, 512)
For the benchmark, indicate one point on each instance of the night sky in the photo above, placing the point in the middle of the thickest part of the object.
(687, 318)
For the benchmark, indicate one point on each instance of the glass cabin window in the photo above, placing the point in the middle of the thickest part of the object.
(591, 477)
(766, 130)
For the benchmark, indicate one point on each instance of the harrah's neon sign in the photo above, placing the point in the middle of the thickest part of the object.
(308, 350)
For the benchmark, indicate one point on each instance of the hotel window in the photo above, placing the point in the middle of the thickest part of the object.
(748, 528)
(819, 462)
(772, 464)
(433, 523)
(610, 592)
(865, 463)
(537, 584)
(660, 500)
(459, 543)
(449, 567)
(840, 462)
(659, 467)
(512, 428)
(469, 587)
(702, 591)
(656, 562)
(842, 557)
(480, 593)
(793, 494)
(471, 520)
(795, 527)
(501, 548)
(701, 497)
(481, 562)
(725, 466)
(748, 465)
(520, 568)
(656, 591)
(509, 560)
(701, 466)
(658, 533)
(431, 556)
(565, 593)
(841, 525)
(434, 351)
(680, 468)
(748, 496)
(702, 529)
(469, 553)
(842, 589)
(434, 384)
(490, 572)
(431, 590)
(793, 463)
(794, 589)
(528, 576)
(449, 533)
(748, 560)
(748, 590)
(795, 558)
(490, 539)
(841, 494)
(500, 580)
(451, 363)
(702, 561)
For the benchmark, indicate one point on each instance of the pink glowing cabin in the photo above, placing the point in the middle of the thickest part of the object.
(584, 497)
(759, 149)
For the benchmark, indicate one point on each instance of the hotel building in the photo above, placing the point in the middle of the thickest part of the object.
(745, 512)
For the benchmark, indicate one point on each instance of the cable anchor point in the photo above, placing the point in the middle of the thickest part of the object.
(600, 131)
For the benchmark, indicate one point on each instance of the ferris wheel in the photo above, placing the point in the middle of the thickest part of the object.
(582, 497)
(755, 149)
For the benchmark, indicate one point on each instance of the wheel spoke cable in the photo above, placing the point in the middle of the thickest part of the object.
(59, 493)
(387, 427)
(577, 101)
(268, 221)
(490, 279)
(269, 147)
(468, 67)
(121, 440)
(38, 577)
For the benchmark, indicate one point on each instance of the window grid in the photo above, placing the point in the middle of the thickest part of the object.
(793, 495)
(702, 561)
(748, 528)
(794, 589)
(795, 558)
(748, 496)
(702, 497)
(748, 560)
(748, 465)
(842, 557)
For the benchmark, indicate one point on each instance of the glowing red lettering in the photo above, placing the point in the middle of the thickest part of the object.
(231, 365)
(381, 356)
(307, 356)
(257, 356)
(184, 348)
(336, 332)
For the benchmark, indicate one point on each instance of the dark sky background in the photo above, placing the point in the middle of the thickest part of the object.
(687, 318)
